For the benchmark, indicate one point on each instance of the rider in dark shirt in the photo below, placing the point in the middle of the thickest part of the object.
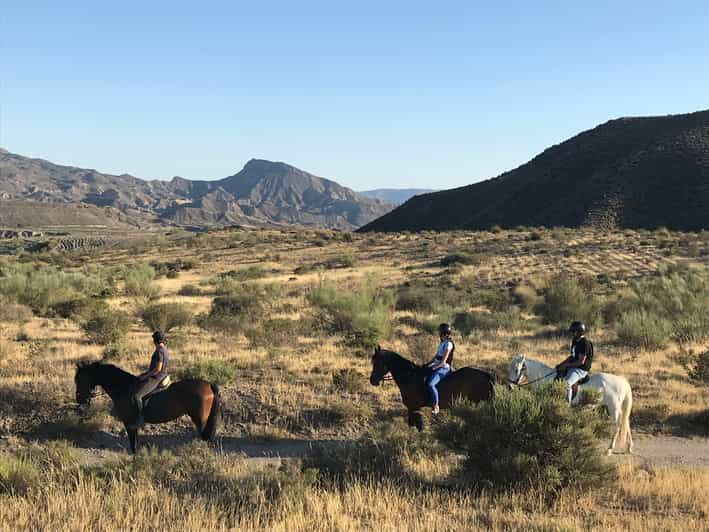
(151, 379)
(578, 364)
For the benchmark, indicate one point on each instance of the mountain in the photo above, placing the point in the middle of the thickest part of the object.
(394, 195)
(630, 172)
(262, 193)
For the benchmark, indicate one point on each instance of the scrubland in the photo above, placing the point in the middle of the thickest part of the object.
(285, 322)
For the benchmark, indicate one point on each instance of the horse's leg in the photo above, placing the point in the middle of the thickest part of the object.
(614, 409)
(132, 438)
(410, 419)
(418, 419)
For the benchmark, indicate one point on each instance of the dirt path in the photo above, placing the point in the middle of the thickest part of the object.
(652, 450)
(670, 451)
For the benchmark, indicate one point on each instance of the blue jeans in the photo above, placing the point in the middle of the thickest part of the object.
(433, 379)
(573, 375)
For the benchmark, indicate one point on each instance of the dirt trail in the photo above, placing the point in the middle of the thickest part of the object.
(652, 450)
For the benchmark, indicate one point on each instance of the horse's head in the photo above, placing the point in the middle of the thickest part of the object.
(85, 382)
(379, 366)
(517, 369)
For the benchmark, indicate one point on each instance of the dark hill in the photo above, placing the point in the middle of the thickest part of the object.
(631, 172)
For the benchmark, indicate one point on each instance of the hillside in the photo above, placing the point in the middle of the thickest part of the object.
(262, 193)
(630, 172)
(394, 195)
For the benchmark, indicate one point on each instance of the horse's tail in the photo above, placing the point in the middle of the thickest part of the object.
(626, 407)
(210, 428)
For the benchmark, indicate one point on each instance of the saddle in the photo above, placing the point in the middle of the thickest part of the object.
(164, 385)
(575, 387)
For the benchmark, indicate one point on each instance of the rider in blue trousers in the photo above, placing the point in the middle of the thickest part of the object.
(440, 365)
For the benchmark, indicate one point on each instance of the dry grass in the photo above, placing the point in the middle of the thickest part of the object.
(288, 391)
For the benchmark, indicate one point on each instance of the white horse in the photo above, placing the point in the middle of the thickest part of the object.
(615, 391)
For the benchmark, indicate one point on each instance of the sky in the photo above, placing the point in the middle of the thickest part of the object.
(370, 94)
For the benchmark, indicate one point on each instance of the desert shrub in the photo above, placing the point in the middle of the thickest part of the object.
(212, 370)
(640, 328)
(677, 302)
(189, 290)
(171, 268)
(139, 279)
(459, 257)
(18, 476)
(244, 274)
(349, 380)
(526, 297)
(527, 438)
(362, 315)
(275, 332)
(166, 316)
(43, 288)
(106, 326)
(240, 308)
(113, 351)
(699, 369)
(79, 309)
(468, 322)
(418, 298)
(565, 301)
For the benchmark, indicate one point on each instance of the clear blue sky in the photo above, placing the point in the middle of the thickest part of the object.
(372, 94)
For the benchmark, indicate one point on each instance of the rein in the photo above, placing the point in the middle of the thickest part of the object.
(531, 382)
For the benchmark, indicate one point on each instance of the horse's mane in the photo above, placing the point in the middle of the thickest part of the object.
(108, 373)
(399, 362)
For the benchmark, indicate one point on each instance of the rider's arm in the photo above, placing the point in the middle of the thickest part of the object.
(444, 359)
(155, 368)
(576, 363)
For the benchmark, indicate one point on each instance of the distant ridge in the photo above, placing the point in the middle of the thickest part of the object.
(394, 195)
(630, 172)
(262, 193)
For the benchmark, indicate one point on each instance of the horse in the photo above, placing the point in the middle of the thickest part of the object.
(195, 397)
(467, 383)
(614, 389)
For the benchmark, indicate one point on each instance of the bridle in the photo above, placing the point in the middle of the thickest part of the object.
(523, 374)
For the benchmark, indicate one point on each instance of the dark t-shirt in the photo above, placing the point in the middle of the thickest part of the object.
(580, 348)
(159, 355)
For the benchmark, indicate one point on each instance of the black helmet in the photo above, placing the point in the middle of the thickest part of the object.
(577, 326)
(158, 338)
(445, 329)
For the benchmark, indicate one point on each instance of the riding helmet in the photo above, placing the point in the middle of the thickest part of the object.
(577, 326)
(445, 329)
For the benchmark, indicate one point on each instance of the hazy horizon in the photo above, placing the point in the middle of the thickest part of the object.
(402, 95)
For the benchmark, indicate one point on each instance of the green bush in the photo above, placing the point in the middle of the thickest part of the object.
(43, 288)
(241, 308)
(276, 332)
(113, 351)
(349, 380)
(189, 290)
(244, 274)
(362, 315)
(166, 316)
(106, 326)
(18, 476)
(676, 303)
(418, 298)
(212, 370)
(640, 328)
(526, 297)
(528, 438)
(469, 322)
(565, 301)
(139, 281)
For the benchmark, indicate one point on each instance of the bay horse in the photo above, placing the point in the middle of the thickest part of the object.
(195, 397)
(615, 392)
(466, 383)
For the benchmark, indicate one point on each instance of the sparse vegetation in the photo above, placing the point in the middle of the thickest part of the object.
(166, 316)
(218, 371)
(106, 326)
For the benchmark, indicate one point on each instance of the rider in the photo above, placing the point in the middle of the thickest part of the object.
(151, 379)
(578, 364)
(440, 365)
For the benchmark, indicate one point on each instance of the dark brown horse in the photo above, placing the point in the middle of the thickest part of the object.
(468, 383)
(197, 398)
